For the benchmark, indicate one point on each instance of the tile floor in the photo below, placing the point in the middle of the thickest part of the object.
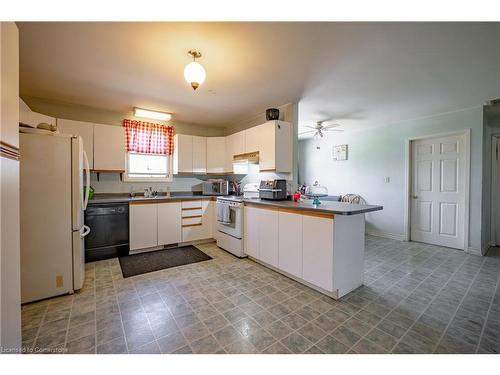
(416, 299)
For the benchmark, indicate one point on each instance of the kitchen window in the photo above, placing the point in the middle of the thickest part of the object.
(148, 167)
(149, 151)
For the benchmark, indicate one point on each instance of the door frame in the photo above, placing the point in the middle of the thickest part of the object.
(494, 139)
(408, 181)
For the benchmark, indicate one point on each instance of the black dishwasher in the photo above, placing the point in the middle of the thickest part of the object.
(108, 237)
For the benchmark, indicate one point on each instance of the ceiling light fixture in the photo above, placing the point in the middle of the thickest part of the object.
(194, 73)
(155, 115)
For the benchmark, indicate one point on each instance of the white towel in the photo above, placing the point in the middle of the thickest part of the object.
(223, 213)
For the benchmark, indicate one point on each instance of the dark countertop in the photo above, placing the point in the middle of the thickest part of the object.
(337, 208)
(123, 198)
(328, 207)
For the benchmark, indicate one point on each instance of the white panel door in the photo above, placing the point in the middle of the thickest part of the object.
(199, 154)
(143, 226)
(438, 191)
(251, 231)
(169, 223)
(268, 236)
(290, 243)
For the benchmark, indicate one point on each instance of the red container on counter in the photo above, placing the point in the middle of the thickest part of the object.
(296, 196)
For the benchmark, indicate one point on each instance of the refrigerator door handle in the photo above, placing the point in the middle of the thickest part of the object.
(86, 231)
(87, 176)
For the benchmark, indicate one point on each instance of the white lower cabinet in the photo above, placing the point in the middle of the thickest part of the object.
(196, 220)
(268, 236)
(317, 251)
(290, 243)
(251, 231)
(143, 229)
(169, 223)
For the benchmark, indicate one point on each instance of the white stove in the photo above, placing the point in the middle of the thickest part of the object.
(230, 224)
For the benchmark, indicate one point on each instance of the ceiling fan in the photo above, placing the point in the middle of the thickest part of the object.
(319, 129)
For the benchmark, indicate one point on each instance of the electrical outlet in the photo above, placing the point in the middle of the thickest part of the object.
(59, 281)
(387, 180)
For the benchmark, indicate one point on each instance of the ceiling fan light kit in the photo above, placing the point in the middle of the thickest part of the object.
(194, 73)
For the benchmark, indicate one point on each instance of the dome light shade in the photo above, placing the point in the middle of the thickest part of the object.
(194, 74)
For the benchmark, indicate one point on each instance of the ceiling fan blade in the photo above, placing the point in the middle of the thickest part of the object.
(310, 127)
(334, 130)
(309, 131)
(331, 126)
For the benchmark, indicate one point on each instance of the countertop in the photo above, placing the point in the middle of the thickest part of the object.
(328, 207)
(123, 198)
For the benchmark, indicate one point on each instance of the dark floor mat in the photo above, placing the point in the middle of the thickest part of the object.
(138, 264)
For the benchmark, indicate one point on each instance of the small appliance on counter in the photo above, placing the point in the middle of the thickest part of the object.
(273, 190)
(251, 190)
(216, 187)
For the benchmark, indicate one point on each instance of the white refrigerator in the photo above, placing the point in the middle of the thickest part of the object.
(52, 172)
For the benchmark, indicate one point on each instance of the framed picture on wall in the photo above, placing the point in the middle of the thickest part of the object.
(340, 152)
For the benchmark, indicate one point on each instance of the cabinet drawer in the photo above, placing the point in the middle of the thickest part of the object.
(192, 212)
(191, 204)
(191, 221)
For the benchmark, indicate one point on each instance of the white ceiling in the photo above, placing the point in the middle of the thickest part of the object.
(358, 74)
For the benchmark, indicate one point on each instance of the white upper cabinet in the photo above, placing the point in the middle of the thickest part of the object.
(109, 148)
(216, 154)
(235, 145)
(252, 139)
(275, 153)
(183, 153)
(199, 154)
(190, 154)
(84, 130)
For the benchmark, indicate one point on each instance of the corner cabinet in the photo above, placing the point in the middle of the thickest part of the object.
(109, 148)
(190, 154)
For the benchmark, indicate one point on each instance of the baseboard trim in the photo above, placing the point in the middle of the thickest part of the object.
(392, 236)
(481, 252)
(475, 251)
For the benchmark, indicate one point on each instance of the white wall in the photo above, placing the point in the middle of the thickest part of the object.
(377, 153)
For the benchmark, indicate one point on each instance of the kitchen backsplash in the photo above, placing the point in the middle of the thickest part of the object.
(110, 182)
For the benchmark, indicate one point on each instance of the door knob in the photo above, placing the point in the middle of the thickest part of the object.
(414, 196)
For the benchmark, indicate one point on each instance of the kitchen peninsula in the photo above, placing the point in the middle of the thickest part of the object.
(320, 246)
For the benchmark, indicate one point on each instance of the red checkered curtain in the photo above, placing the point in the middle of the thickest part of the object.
(148, 138)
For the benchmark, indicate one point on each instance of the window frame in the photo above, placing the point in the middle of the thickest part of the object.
(168, 178)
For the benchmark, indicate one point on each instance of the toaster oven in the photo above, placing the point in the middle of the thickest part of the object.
(273, 190)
